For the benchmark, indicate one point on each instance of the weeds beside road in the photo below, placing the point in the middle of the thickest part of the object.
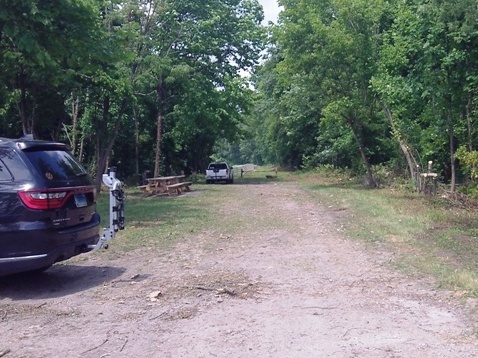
(429, 236)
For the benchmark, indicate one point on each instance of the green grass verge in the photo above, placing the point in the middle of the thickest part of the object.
(429, 236)
(158, 221)
(162, 221)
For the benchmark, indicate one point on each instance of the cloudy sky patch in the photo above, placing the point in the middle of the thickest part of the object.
(271, 10)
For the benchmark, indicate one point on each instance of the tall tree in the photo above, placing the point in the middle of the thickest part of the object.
(427, 77)
(195, 50)
(42, 45)
(333, 44)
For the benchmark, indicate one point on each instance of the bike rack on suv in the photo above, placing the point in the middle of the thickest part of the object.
(116, 212)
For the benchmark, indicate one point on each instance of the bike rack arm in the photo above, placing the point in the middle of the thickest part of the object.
(116, 209)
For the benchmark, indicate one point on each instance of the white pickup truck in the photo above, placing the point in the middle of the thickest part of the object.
(217, 172)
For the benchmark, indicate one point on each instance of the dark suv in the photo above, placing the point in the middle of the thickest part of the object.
(47, 206)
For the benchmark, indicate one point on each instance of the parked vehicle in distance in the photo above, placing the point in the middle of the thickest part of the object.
(47, 206)
(219, 172)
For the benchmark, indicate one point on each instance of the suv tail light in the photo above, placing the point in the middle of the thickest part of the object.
(51, 199)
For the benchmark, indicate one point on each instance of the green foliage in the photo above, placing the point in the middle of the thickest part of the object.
(366, 81)
(95, 71)
(44, 46)
(469, 161)
(197, 178)
(316, 90)
(346, 83)
(188, 62)
(425, 77)
(470, 190)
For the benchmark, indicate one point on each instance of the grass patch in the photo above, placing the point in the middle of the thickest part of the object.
(429, 236)
(162, 221)
(158, 221)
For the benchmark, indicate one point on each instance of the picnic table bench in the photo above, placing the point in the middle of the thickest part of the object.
(169, 185)
(178, 187)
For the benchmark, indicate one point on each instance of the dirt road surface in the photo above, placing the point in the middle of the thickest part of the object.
(290, 285)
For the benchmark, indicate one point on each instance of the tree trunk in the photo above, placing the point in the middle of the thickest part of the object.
(26, 113)
(370, 180)
(452, 158)
(157, 150)
(469, 126)
(136, 143)
(412, 165)
(82, 143)
(75, 107)
(159, 127)
(105, 141)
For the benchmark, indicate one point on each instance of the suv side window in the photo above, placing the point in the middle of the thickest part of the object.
(4, 173)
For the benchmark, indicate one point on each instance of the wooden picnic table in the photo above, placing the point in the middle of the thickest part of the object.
(169, 184)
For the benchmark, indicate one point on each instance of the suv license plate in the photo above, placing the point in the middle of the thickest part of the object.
(80, 200)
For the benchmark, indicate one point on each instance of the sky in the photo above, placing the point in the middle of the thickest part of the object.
(271, 10)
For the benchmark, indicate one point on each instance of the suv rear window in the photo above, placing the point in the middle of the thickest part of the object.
(4, 173)
(218, 166)
(55, 164)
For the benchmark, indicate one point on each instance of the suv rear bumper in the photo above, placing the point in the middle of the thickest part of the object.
(46, 247)
(218, 178)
